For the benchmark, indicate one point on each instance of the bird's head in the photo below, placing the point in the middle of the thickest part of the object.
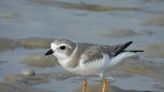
(61, 49)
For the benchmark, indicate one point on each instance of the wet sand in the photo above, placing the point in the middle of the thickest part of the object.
(29, 26)
(19, 87)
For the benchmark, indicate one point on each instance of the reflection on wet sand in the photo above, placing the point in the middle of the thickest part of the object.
(155, 50)
(7, 44)
(35, 42)
(119, 33)
(84, 6)
(110, 88)
(90, 7)
(19, 87)
(38, 78)
(2, 62)
(39, 61)
(157, 21)
(136, 66)
(30, 43)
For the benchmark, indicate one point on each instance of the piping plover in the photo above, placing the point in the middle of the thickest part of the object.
(89, 59)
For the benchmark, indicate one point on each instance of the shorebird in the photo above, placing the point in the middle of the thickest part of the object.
(89, 59)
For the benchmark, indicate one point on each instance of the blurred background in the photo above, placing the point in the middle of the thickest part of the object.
(27, 27)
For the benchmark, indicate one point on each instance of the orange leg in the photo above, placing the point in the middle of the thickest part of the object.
(105, 83)
(84, 85)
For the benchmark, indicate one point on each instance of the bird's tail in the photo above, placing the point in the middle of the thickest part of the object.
(121, 53)
(135, 51)
(125, 54)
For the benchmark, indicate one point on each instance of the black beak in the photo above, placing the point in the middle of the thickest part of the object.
(50, 52)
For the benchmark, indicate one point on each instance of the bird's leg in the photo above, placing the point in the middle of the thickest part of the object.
(84, 87)
(105, 83)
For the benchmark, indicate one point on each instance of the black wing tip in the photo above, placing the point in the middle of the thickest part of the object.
(127, 44)
(130, 42)
(123, 47)
(135, 51)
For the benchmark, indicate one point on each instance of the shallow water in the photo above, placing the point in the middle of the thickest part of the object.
(95, 21)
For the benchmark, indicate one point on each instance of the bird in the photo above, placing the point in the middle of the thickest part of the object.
(87, 59)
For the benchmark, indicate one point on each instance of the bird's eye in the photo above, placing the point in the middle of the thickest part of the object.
(62, 47)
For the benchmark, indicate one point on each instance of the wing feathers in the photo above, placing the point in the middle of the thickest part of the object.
(95, 52)
(121, 48)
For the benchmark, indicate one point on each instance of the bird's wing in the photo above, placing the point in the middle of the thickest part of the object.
(95, 52)
(116, 49)
(82, 47)
(92, 54)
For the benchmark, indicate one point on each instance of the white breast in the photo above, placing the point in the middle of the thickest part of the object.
(93, 67)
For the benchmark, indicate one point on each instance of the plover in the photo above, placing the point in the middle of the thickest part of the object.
(89, 59)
